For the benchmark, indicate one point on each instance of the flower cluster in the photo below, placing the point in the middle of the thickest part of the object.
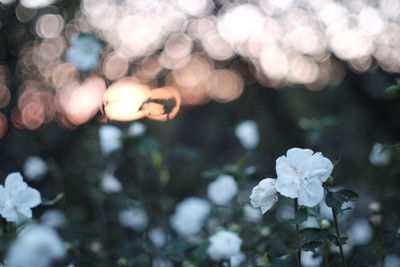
(300, 175)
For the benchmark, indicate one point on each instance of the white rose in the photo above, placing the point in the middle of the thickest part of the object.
(36, 245)
(109, 137)
(17, 199)
(247, 133)
(224, 245)
(238, 259)
(34, 168)
(189, 216)
(110, 184)
(222, 190)
(264, 195)
(134, 218)
(158, 237)
(378, 156)
(301, 174)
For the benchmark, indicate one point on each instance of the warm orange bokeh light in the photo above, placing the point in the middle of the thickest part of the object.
(163, 105)
(123, 100)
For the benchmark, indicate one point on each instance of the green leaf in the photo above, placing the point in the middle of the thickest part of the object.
(309, 235)
(177, 249)
(312, 246)
(300, 216)
(335, 200)
(335, 240)
(200, 253)
(263, 260)
(53, 201)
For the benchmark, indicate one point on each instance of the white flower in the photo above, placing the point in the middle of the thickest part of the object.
(189, 216)
(237, 259)
(35, 246)
(85, 52)
(391, 261)
(224, 245)
(264, 195)
(301, 174)
(136, 129)
(160, 262)
(378, 156)
(247, 133)
(158, 237)
(134, 218)
(34, 168)
(53, 218)
(251, 214)
(308, 259)
(17, 199)
(109, 137)
(222, 190)
(110, 184)
(360, 232)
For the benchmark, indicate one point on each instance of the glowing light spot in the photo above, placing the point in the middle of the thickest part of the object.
(49, 25)
(274, 62)
(195, 72)
(196, 8)
(225, 85)
(123, 99)
(114, 67)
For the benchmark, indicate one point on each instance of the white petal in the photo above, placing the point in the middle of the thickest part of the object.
(25, 211)
(29, 197)
(287, 186)
(311, 194)
(14, 181)
(283, 167)
(298, 157)
(321, 167)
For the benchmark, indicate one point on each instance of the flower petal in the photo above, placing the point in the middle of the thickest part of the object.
(311, 194)
(14, 181)
(298, 157)
(30, 197)
(321, 167)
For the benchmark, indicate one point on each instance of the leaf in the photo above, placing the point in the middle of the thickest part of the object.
(53, 201)
(312, 246)
(334, 239)
(309, 235)
(200, 252)
(300, 216)
(177, 249)
(263, 260)
(335, 200)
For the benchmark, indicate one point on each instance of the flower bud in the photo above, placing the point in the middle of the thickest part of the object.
(375, 207)
(325, 224)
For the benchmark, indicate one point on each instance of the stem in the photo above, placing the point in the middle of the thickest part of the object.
(338, 237)
(298, 258)
(382, 256)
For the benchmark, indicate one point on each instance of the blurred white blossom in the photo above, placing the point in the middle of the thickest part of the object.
(134, 218)
(391, 261)
(252, 214)
(136, 129)
(247, 133)
(109, 137)
(158, 237)
(189, 216)
(309, 259)
(224, 245)
(53, 218)
(264, 195)
(311, 222)
(360, 232)
(238, 259)
(378, 156)
(161, 262)
(110, 184)
(301, 174)
(84, 52)
(222, 190)
(34, 168)
(35, 246)
(17, 199)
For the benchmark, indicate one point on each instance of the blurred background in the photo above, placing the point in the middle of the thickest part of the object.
(310, 74)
